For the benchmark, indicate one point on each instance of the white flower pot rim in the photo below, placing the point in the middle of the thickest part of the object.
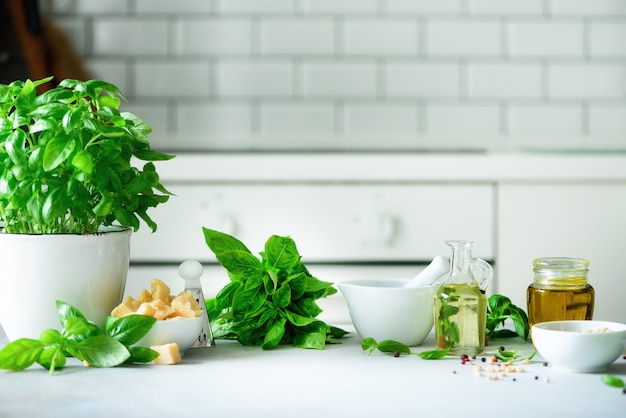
(102, 230)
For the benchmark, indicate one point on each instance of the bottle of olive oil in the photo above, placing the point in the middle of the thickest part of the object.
(461, 303)
(560, 290)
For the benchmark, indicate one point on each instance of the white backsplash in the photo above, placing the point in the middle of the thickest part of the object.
(359, 74)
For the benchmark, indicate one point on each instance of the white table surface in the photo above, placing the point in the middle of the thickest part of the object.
(230, 380)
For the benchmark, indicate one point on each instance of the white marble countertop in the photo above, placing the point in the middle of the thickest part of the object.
(230, 380)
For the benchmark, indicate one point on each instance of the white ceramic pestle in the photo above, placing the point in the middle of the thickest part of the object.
(439, 266)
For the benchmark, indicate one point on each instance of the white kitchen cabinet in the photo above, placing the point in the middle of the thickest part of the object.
(563, 219)
(329, 222)
(382, 214)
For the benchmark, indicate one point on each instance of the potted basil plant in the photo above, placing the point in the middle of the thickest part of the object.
(71, 195)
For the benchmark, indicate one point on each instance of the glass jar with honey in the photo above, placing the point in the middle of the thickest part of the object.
(560, 290)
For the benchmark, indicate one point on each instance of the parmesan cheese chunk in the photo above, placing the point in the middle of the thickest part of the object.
(168, 354)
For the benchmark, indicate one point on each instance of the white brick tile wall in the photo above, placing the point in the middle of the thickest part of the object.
(463, 119)
(209, 119)
(544, 120)
(340, 6)
(547, 39)
(506, 7)
(115, 37)
(260, 7)
(254, 79)
(505, 80)
(381, 119)
(214, 37)
(339, 79)
(328, 74)
(423, 80)
(181, 79)
(393, 36)
(425, 7)
(171, 7)
(153, 113)
(607, 120)
(588, 7)
(608, 39)
(298, 37)
(297, 119)
(114, 71)
(464, 38)
(587, 81)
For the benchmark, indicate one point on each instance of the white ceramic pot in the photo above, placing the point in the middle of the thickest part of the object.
(86, 271)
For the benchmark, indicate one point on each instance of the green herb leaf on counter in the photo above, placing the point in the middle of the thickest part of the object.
(499, 309)
(397, 348)
(82, 339)
(268, 301)
(385, 346)
(506, 355)
(435, 354)
(612, 381)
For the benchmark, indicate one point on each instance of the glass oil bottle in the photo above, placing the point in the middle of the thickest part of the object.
(560, 290)
(461, 303)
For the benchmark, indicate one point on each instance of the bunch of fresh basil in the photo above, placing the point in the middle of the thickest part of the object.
(269, 301)
(84, 340)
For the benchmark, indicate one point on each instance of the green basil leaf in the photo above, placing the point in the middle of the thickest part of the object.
(447, 310)
(297, 283)
(78, 329)
(66, 311)
(130, 328)
(434, 354)
(369, 344)
(50, 337)
(239, 263)
(219, 242)
(83, 161)
(391, 346)
(498, 302)
(20, 354)
(270, 281)
(274, 334)
(282, 297)
(613, 381)
(313, 284)
(298, 320)
(281, 252)
(141, 355)
(57, 150)
(102, 351)
(246, 303)
(52, 358)
(312, 340)
(337, 332)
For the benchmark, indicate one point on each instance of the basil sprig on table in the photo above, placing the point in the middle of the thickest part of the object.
(269, 301)
(397, 348)
(84, 340)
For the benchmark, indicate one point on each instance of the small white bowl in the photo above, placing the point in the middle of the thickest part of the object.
(385, 310)
(182, 331)
(579, 346)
